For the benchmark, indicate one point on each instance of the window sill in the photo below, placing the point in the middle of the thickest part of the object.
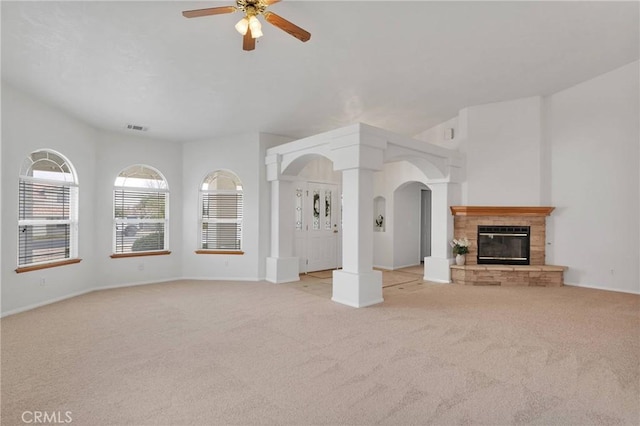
(235, 252)
(47, 265)
(138, 254)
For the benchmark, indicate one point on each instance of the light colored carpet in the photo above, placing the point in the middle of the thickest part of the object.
(218, 353)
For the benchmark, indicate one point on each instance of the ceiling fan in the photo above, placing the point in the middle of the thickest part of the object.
(249, 26)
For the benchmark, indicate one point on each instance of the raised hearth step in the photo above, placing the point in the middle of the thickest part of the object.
(529, 268)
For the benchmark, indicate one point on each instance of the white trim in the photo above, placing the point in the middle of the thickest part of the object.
(40, 222)
(251, 279)
(356, 305)
(49, 181)
(408, 266)
(238, 279)
(80, 293)
(436, 281)
(595, 287)
(386, 268)
(44, 303)
(137, 283)
(221, 191)
(140, 189)
(125, 221)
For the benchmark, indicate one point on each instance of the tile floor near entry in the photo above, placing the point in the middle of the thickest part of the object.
(402, 280)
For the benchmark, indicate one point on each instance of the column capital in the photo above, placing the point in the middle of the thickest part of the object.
(358, 151)
(274, 165)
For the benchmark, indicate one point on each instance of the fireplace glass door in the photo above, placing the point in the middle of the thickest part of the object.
(503, 245)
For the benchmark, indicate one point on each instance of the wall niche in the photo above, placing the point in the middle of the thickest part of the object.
(379, 214)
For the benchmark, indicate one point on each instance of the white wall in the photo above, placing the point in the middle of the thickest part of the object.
(1, 215)
(29, 125)
(503, 153)
(594, 138)
(406, 228)
(577, 150)
(243, 155)
(439, 134)
(98, 157)
(320, 170)
(116, 152)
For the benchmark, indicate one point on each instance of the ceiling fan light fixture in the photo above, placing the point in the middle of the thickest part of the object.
(242, 26)
(249, 26)
(256, 27)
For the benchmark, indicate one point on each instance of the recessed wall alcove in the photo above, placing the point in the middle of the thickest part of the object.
(379, 213)
(468, 219)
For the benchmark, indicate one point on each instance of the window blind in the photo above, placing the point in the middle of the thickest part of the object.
(44, 222)
(140, 220)
(221, 226)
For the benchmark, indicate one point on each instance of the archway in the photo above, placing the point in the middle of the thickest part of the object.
(358, 152)
(408, 224)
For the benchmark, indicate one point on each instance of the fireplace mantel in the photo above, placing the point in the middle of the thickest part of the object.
(501, 211)
(466, 220)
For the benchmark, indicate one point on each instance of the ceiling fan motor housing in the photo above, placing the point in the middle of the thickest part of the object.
(252, 7)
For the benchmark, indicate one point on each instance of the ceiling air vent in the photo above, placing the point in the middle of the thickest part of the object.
(137, 127)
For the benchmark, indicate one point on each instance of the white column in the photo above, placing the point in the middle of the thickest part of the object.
(357, 284)
(437, 266)
(282, 267)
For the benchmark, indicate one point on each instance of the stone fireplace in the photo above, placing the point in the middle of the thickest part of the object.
(507, 246)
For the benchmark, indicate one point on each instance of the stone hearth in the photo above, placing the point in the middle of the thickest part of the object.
(466, 222)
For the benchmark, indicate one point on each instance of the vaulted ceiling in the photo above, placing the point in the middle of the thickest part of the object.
(403, 66)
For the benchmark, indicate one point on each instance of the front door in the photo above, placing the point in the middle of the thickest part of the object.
(317, 226)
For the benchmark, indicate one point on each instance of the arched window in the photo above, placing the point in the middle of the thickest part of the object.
(221, 212)
(47, 211)
(140, 212)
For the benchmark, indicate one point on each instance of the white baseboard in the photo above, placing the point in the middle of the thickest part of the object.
(406, 266)
(114, 286)
(436, 281)
(388, 268)
(595, 287)
(109, 287)
(44, 303)
(251, 279)
(395, 268)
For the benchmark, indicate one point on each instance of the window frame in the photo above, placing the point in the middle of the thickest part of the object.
(69, 205)
(131, 190)
(239, 219)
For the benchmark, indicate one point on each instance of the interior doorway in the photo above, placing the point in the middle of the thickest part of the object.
(317, 227)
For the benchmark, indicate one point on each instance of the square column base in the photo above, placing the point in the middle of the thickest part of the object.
(282, 269)
(437, 269)
(357, 290)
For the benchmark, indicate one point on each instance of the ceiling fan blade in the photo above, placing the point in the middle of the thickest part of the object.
(248, 42)
(270, 2)
(209, 11)
(287, 26)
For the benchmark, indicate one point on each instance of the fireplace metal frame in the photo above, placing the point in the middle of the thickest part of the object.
(505, 231)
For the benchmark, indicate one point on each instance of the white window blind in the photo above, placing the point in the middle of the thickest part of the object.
(47, 210)
(221, 203)
(140, 205)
